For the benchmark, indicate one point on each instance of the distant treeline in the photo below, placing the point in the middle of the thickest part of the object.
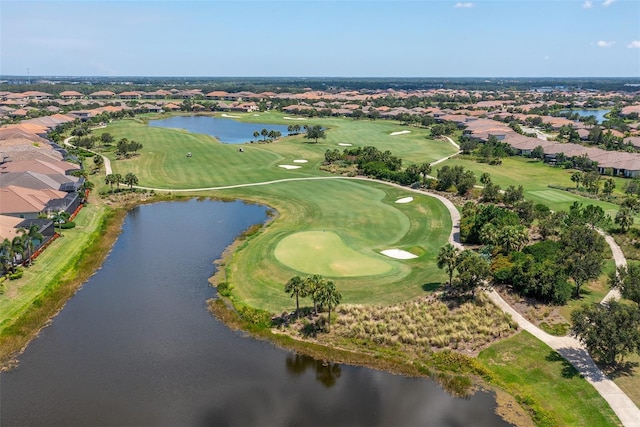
(300, 84)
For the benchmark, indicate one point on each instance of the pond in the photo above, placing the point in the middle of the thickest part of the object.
(137, 346)
(599, 114)
(226, 130)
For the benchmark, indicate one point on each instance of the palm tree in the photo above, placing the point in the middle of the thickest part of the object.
(425, 170)
(313, 284)
(130, 179)
(448, 258)
(328, 296)
(6, 256)
(117, 179)
(296, 286)
(110, 180)
(18, 247)
(576, 177)
(264, 134)
(59, 218)
(29, 236)
(256, 134)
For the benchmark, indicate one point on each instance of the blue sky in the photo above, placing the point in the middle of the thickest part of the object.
(421, 38)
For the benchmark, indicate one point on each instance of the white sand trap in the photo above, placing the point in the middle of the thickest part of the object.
(405, 200)
(342, 144)
(229, 116)
(289, 167)
(402, 132)
(294, 118)
(256, 115)
(398, 254)
(300, 161)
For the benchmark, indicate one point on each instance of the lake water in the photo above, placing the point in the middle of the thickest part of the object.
(137, 346)
(226, 130)
(586, 113)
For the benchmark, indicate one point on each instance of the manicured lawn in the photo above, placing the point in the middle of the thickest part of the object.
(535, 177)
(365, 218)
(528, 368)
(20, 293)
(163, 163)
(323, 252)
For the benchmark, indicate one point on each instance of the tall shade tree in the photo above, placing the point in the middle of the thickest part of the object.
(626, 279)
(473, 271)
(576, 177)
(329, 298)
(624, 218)
(315, 132)
(609, 330)
(296, 287)
(583, 253)
(448, 258)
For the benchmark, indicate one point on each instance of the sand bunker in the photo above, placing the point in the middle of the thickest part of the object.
(405, 200)
(293, 118)
(402, 132)
(342, 144)
(300, 161)
(398, 254)
(229, 116)
(289, 167)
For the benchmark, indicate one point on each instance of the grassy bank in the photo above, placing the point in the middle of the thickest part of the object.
(55, 276)
(545, 383)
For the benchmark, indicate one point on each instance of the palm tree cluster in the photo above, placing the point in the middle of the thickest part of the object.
(267, 135)
(20, 248)
(322, 292)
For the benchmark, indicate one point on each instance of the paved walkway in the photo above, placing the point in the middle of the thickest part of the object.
(106, 161)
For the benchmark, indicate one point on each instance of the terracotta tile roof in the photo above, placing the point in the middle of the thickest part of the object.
(8, 226)
(41, 166)
(21, 200)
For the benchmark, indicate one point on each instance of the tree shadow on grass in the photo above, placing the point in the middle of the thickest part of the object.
(623, 369)
(431, 287)
(568, 370)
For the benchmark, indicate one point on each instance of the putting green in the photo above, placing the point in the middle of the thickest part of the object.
(324, 252)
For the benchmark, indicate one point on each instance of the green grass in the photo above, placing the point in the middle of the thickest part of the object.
(538, 375)
(535, 177)
(162, 162)
(365, 217)
(19, 294)
(323, 252)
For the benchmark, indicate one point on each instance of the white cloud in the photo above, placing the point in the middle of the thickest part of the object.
(602, 43)
(588, 4)
(634, 44)
(546, 58)
(607, 3)
(465, 5)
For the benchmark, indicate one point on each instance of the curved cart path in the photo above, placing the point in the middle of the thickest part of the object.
(106, 162)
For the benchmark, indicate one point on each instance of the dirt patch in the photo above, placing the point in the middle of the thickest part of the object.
(531, 309)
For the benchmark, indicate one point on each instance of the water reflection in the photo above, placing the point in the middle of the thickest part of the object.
(327, 373)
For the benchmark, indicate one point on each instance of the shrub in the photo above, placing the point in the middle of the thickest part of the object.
(67, 225)
(256, 317)
(224, 289)
(16, 275)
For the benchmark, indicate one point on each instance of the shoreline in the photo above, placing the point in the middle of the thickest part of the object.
(106, 234)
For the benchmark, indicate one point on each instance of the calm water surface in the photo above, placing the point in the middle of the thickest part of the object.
(136, 346)
(228, 131)
(586, 113)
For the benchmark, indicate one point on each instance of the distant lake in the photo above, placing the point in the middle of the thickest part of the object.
(226, 130)
(586, 113)
(136, 346)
